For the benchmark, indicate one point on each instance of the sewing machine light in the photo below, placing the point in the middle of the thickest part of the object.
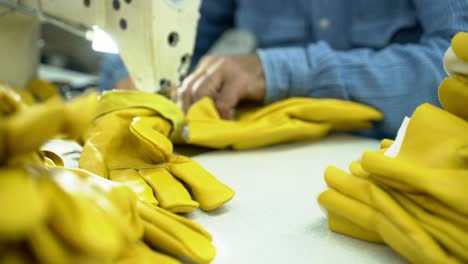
(101, 41)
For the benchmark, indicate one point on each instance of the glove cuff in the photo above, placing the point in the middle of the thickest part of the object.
(119, 100)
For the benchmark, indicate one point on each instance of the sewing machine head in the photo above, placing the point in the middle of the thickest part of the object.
(155, 38)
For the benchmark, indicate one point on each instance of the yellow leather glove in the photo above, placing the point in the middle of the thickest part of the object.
(453, 95)
(453, 91)
(452, 236)
(129, 142)
(415, 157)
(446, 185)
(445, 225)
(438, 169)
(25, 96)
(429, 203)
(371, 213)
(420, 191)
(174, 234)
(42, 90)
(141, 253)
(63, 215)
(23, 205)
(67, 218)
(23, 128)
(161, 229)
(73, 215)
(288, 120)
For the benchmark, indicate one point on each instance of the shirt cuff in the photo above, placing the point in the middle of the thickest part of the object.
(291, 71)
(120, 72)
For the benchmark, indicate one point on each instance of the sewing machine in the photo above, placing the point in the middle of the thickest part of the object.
(155, 38)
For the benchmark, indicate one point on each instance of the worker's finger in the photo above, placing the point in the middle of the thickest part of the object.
(229, 96)
(210, 83)
(184, 95)
(125, 84)
(206, 86)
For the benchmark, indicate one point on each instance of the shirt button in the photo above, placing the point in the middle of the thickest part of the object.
(324, 23)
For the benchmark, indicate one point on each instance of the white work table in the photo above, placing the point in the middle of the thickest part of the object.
(274, 217)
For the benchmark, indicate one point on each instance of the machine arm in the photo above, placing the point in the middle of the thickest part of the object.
(155, 37)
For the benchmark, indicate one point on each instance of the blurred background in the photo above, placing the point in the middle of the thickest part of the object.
(62, 49)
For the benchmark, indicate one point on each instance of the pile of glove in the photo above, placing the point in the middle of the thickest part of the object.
(130, 141)
(412, 193)
(284, 121)
(52, 214)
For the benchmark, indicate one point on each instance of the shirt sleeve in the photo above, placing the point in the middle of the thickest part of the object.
(394, 80)
(112, 71)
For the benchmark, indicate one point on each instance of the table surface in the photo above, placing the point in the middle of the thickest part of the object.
(274, 217)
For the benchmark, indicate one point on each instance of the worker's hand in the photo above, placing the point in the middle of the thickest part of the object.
(226, 79)
(125, 84)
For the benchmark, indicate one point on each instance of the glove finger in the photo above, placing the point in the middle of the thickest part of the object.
(77, 218)
(363, 190)
(453, 96)
(203, 110)
(350, 125)
(316, 110)
(170, 192)
(371, 195)
(209, 192)
(451, 236)
(459, 45)
(336, 111)
(446, 185)
(42, 90)
(289, 120)
(11, 100)
(386, 143)
(216, 134)
(48, 248)
(133, 180)
(186, 222)
(356, 169)
(140, 253)
(436, 207)
(24, 205)
(344, 226)
(174, 237)
(26, 131)
(411, 242)
(355, 219)
(79, 113)
(273, 131)
(152, 133)
(122, 211)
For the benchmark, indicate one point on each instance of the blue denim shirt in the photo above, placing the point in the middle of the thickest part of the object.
(384, 53)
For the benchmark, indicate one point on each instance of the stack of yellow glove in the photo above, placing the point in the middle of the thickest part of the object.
(285, 121)
(415, 202)
(59, 215)
(130, 142)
